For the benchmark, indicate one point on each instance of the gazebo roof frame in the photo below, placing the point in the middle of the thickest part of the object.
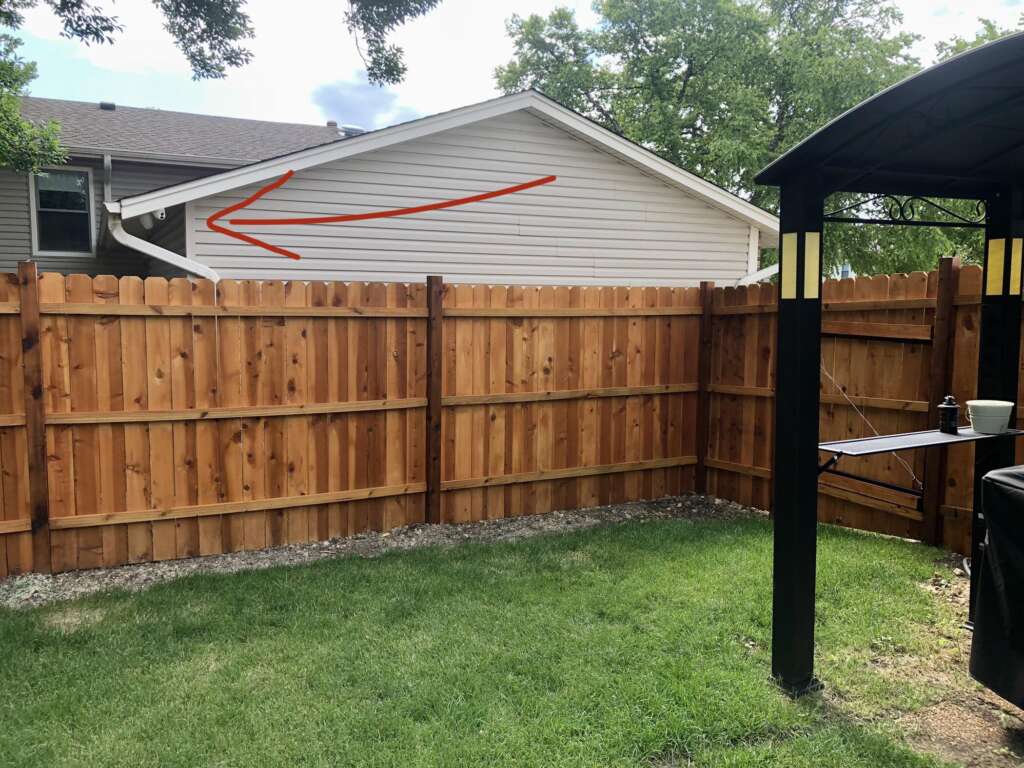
(955, 130)
(951, 130)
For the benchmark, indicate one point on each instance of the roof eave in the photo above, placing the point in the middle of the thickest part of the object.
(963, 66)
(533, 101)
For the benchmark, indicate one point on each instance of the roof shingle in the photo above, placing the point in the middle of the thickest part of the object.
(85, 126)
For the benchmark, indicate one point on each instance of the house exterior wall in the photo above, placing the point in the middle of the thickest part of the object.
(602, 222)
(130, 178)
(127, 178)
(15, 234)
(168, 234)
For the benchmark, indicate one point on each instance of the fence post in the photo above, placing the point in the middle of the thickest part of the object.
(939, 372)
(35, 416)
(435, 368)
(707, 290)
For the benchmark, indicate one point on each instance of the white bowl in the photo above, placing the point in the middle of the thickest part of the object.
(989, 417)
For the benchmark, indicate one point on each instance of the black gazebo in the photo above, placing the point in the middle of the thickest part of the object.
(954, 131)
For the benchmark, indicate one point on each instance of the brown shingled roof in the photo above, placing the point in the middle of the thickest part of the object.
(85, 126)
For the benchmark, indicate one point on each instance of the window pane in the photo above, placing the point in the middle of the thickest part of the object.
(63, 190)
(64, 232)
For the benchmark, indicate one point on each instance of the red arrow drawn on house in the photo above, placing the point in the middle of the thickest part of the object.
(212, 221)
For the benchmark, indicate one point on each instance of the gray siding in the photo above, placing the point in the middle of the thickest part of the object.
(603, 221)
(15, 235)
(16, 231)
(127, 178)
(170, 233)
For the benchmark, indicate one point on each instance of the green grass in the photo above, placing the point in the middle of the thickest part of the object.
(637, 645)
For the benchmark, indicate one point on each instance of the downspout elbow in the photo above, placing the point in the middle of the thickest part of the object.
(116, 228)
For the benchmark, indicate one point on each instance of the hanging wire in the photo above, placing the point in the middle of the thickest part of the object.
(871, 426)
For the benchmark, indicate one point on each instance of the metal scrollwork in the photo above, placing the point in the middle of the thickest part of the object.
(907, 211)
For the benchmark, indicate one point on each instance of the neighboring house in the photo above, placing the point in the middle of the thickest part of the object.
(617, 214)
(58, 218)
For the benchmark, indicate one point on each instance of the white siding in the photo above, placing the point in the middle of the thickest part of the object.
(602, 221)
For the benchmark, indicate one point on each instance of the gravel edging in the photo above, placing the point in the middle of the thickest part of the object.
(34, 589)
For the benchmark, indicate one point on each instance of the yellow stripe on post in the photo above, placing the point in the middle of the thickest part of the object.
(994, 264)
(1016, 250)
(788, 265)
(812, 261)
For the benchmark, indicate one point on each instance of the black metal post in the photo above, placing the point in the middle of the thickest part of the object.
(999, 344)
(795, 473)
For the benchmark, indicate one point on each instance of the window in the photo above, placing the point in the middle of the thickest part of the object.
(62, 211)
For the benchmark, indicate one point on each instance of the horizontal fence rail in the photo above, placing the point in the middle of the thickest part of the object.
(154, 419)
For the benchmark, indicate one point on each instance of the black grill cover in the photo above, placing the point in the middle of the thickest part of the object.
(997, 648)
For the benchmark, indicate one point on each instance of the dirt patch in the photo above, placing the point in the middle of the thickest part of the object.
(38, 589)
(968, 726)
(977, 731)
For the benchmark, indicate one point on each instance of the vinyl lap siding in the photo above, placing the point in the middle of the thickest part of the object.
(602, 221)
(16, 227)
(15, 234)
(129, 179)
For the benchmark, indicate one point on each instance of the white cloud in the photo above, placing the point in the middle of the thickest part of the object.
(451, 54)
(937, 21)
(144, 46)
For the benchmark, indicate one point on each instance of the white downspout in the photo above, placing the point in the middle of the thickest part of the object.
(125, 238)
(759, 275)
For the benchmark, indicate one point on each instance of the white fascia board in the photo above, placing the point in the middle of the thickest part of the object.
(535, 102)
(307, 158)
(638, 156)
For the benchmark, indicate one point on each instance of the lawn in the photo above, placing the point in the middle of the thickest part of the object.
(644, 644)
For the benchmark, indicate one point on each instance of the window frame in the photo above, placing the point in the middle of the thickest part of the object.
(34, 212)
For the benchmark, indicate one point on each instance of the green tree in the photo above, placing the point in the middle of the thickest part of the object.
(718, 86)
(23, 146)
(210, 33)
(723, 87)
(990, 30)
(373, 21)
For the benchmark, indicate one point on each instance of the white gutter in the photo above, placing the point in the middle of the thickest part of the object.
(125, 238)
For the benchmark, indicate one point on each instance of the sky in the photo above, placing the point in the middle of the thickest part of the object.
(306, 68)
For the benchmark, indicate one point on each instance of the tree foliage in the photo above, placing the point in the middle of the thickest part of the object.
(371, 22)
(990, 30)
(23, 146)
(208, 32)
(723, 87)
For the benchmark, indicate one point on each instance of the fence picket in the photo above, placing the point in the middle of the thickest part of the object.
(614, 380)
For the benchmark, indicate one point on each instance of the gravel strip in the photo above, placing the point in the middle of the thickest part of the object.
(34, 589)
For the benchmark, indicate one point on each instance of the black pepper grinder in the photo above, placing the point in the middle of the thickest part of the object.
(949, 415)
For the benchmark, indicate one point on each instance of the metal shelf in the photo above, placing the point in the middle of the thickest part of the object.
(907, 441)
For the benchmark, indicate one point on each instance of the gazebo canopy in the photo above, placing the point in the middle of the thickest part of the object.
(953, 130)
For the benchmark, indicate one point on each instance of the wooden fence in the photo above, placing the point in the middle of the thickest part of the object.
(892, 346)
(154, 419)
